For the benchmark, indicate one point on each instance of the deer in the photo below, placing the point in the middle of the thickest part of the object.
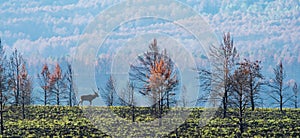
(89, 97)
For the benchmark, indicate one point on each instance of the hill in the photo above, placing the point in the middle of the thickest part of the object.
(63, 121)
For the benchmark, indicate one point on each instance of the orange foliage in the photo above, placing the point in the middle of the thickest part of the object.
(24, 73)
(45, 71)
(159, 73)
(56, 74)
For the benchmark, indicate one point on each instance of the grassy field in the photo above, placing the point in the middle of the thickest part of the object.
(62, 121)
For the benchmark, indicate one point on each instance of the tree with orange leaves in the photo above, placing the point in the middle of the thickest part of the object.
(57, 84)
(25, 88)
(155, 75)
(160, 78)
(44, 82)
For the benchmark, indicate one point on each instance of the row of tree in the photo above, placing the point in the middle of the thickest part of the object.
(57, 87)
(238, 83)
(16, 85)
(235, 83)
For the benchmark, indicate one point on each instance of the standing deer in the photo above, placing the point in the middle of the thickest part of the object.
(89, 97)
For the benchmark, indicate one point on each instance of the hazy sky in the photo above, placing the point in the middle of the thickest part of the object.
(42, 28)
(46, 30)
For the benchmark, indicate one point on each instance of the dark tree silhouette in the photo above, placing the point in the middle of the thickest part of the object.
(240, 95)
(277, 86)
(222, 62)
(44, 82)
(109, 93)
(296, 92)
(128, 99)
(3, 86)
(70, 84)
(25, 88)
(58, 85)
(16, 63)
(254, 80)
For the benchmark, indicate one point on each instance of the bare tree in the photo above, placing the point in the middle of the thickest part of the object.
(16, 62)
(57, 84)
(70, 85)
(25, 88)
(205, 77)
(128, 95)
(109, 92)
(217, 81)
(3, 97)
(255, 80)
(296, 92)
(240, 95)
(277, 86)
(128, 99)
(44, 82)
(3, 86)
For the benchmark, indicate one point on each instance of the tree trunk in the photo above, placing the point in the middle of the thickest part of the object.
(71, 85)
(18, 83)
(280, 90)
(57, 98)
(1, 108)
(160, 108)
(251, 94)
(252, 103)
(241, 112)
(45, 97)
(225, 104)
(168, 100)
(133, 114)
(225, 89)
(23, 105)
(296, 101)
(241, 126)
(281, 102)
(70, 95)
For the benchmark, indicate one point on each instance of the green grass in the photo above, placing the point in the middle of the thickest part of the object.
(62, 121)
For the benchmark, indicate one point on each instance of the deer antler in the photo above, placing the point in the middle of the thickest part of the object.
(95, 91)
